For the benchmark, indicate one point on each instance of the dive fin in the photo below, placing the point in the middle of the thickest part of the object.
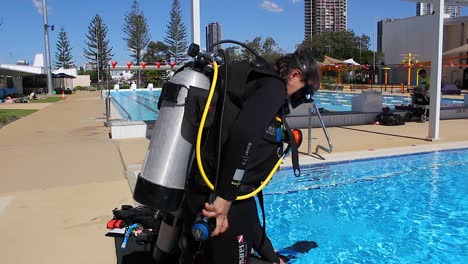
(292, 251)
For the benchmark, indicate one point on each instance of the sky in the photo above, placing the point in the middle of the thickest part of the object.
(21, 22)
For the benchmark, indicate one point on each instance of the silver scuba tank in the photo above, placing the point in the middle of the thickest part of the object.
(161, 182)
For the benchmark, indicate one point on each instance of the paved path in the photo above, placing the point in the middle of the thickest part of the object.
(61, 177)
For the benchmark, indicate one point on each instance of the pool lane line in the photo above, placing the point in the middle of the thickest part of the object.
(144, 105)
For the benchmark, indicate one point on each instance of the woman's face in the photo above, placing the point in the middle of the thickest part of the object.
(296, 82)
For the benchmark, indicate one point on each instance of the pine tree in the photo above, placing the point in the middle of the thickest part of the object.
(97, 49)
(176, 33)
(156, 51)
(63, 57)
(137, 32)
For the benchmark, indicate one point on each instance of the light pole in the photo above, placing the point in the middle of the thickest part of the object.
(196, 22)
(373, 64)
(47, 61)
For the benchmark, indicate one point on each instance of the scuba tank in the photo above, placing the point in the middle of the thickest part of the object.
(161, 182)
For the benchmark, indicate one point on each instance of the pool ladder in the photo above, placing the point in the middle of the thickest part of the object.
(315, 109)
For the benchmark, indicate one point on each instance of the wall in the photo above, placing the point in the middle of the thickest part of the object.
(18, 84)
(414, 35)
(82, 80)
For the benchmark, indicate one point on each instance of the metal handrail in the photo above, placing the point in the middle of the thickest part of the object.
(322, 124)
(107, 110)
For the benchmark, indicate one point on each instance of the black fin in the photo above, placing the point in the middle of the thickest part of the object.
(302, 246)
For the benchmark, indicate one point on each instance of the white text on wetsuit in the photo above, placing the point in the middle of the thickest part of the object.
(245, 157)
(242, 253)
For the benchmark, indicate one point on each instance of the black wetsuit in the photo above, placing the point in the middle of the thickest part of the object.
(248, 156)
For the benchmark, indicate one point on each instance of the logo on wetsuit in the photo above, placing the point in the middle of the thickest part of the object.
(242, 249)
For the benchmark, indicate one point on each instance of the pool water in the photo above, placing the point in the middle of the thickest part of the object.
(405, 209)
(140, 105)
(334, 101)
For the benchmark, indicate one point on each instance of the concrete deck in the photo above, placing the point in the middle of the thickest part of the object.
(62, 175)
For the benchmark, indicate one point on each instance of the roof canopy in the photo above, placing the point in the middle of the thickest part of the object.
(460, 49)
(352, 62)
(328, 61)
(62, 75)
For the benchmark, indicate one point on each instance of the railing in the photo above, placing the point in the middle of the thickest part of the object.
(108, 110)
(322, 124)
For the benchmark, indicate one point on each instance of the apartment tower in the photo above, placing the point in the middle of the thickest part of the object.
(213, 34)
(324, 15)
(427, 9)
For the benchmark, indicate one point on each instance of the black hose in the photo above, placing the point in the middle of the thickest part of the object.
(220, 132)
(234, 42)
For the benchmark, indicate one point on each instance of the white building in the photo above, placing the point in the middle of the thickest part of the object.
(427, 9)
(22, 78)
(121, 75)
(398, 37)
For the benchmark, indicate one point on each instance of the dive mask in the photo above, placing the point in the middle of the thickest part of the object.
(303, 95)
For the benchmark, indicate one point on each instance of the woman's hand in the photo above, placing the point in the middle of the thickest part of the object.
(219, 210)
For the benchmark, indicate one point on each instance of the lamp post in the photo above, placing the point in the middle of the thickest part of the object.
(195, 22)
(47, 60)
(373, 64)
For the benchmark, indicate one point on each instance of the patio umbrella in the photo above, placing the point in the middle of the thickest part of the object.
(62, 76)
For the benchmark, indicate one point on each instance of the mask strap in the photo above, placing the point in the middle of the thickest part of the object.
(300, 64)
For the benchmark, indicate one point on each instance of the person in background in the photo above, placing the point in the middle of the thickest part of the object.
(8, 100)
(424, 80)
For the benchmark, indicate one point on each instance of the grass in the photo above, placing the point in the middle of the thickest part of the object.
(10, 115)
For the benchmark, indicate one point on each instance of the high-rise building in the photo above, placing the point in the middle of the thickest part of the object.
(426, 9)
(324, 15)
(213, 34)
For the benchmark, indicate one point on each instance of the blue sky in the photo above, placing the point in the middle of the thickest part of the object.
(283, 20)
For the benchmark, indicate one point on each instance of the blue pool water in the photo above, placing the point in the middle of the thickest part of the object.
(333, 101)
(405, 209)
(141, 105)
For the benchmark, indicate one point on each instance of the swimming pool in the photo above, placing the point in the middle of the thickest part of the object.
(141, 105)
(404, 209)
(334, 101)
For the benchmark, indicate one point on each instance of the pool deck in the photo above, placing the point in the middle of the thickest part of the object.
(62, 175)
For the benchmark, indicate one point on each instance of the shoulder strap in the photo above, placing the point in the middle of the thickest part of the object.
(293, 146)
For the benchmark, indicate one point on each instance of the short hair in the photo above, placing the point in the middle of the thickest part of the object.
(422, 71)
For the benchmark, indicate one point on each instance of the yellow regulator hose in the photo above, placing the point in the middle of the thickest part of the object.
(199, 139)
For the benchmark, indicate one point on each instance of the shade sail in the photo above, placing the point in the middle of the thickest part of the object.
(454, 51)
(352, 62)
(331, 61)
